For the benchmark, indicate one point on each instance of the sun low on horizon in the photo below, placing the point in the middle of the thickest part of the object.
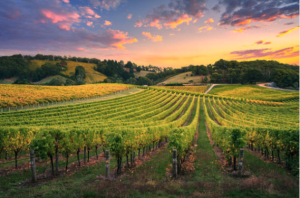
(166, 33)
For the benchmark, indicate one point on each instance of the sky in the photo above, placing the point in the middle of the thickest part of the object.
(166, 33)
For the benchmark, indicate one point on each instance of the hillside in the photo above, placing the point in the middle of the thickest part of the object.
(91, 75)
(184, 78)
(253, 92)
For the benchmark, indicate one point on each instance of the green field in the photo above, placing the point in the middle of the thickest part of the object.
(254, 92)
(206, 131)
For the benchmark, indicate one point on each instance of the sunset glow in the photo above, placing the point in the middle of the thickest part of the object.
(167, 33)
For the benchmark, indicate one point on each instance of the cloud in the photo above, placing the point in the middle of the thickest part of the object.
(246, 28)
(171, 34)
(153, 38)
(52, 26)
(183, 19)
(88, 12)
(173, 14)
(57, 17)
(287, 31)
(81, 49)
(291, 23)
(65, 20)
(262, 42)
(129, 16)
(206, 28)
(97, 16)
(243, 12)
(266, 53)
(66, 1)
(89, 23)
(105, 4)
(138, 23)
(107, 23)
(209, 21)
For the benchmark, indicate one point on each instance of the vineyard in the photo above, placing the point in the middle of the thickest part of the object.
(22, 95)
(132, 126)
(199, 89)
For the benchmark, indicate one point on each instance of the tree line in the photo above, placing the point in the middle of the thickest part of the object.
(222, 71)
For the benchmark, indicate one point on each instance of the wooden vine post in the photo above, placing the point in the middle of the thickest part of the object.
(175, 163)
(107, 163)
(241, 159)
(32, 164)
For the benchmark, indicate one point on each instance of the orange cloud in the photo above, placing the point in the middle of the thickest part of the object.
(155, 23)
(154, 38)
(287, 31)
(171, 34)
(129, 16)
(107, 23)
(207, 28)
(121, 38)
(243, 22)
(209, 21)
(245, 28)
(89, 23)
(183, 19)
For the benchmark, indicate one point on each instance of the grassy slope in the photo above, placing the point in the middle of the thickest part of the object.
(182, 78)
(48, 79)
(91, 74)
(8, 80)
(253, 92)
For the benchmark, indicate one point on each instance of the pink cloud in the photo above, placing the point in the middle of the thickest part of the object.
(268, 53)
(153, 38)
(138, 23)
(89, 23)
(66, 1)
(129, 16)
(64, 27)
(87, 10)
(82, 49)
(55, 18)
(209, 21)
(97, 16)
(155, 23)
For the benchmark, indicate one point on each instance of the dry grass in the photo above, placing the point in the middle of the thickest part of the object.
(91, 75)
(184, 78)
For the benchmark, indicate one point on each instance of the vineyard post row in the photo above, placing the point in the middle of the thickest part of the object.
(54, 103)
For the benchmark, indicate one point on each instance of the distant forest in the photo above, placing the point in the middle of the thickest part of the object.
(222, 71)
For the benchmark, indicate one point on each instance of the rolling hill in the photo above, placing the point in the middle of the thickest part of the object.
(184, 78)
(91, 75)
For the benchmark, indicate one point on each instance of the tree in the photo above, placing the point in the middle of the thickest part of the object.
(138, 69)
(252, 76)
(215, 77)
(128, 65)
(144, 81)
(205, 79)
(79, 72)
